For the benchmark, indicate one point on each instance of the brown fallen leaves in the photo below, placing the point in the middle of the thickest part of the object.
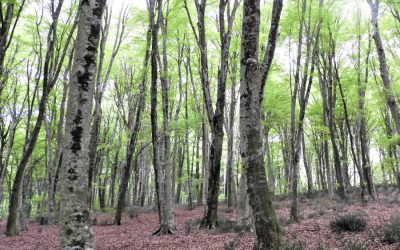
(313, 232)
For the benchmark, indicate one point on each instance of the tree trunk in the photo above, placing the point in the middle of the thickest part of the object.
(253, 79)
(126, 171)
(75, 230)
(48, 83)
(383, 67)
(162, 176)
(304, 93)
(215, 117)
(230, 182)
(243, 211)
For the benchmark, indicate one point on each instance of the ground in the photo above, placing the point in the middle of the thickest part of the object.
(313, 232)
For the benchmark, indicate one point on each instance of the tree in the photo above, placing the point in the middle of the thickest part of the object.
(304, 94)
(51, 70)
(383, 67)
(75, 230)
(162, 174)
(253, 79)
(215, 117)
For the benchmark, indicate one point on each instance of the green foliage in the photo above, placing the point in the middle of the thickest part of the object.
(295, 245)
(391, 231)
(354, 245)
(350, 222)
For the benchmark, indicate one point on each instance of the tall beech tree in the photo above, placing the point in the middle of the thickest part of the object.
(75, 230)
(253, 78)
(162, 174)
(215, 117)
(304, 94)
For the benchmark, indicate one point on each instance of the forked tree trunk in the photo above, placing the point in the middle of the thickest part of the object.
(161, 176)
(215, 117)
(304, 93)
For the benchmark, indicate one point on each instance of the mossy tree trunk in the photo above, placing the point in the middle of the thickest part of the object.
(252, 82)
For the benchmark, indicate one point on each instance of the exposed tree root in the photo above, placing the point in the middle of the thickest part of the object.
(163, 230)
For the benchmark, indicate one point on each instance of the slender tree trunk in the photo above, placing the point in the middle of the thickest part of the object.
(383, 67)
(161, 176)
(126, 171)
(307, 166)
(59, 146)
(215, 117)
(304, 93)
(181, 157)
(230, 182)
(271, 175)
(48, 84)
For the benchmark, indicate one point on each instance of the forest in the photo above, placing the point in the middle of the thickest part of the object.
(200, 124)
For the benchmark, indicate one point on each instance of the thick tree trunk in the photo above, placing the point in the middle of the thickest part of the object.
(75, 230)
(253, 79)
(167, 221)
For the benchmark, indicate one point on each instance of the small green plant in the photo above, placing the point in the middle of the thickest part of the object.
(391, 231)
(353, 245)
(295, 245)
(351, 222)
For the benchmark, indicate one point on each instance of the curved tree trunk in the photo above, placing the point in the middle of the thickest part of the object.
(253, 79)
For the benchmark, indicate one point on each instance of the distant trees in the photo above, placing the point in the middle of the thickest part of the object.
(50, 68)
(167, 88)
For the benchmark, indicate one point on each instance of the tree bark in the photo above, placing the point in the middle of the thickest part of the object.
(49, 80)
(383, 67)
(75, 230)
(215, 117)
(253, 78)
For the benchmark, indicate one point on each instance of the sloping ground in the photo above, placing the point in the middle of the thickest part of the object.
(313, 232)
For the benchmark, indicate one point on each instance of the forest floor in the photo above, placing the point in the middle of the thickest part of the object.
(313, 232)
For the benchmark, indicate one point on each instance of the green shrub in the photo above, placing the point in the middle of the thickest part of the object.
(295, 245)
(351, 222)
(391, 231)
(353, 245)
